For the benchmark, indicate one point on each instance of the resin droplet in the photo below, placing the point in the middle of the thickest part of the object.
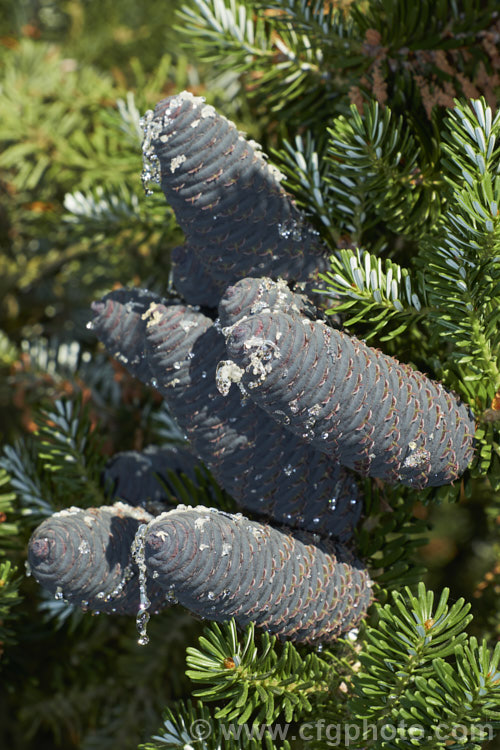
(143, 615)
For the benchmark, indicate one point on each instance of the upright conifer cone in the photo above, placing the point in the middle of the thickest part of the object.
(255, 459)
(359, 406)
(220, 566)
(228, 201)
(84, 556)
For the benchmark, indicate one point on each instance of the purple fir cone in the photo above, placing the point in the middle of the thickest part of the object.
(227, 199)
(192, 280)
(84, 557)
(361, 407)
(219, 566)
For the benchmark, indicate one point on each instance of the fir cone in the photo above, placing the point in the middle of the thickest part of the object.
(220, 566)
(361, 407)
(84, 557)
(142, 478)
(264, 468)
(229, 202)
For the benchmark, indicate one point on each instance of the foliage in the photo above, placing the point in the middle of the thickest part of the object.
(9, 597)
(386, 295)
(8, 530)
(9, 578)
(193, 723)
(67, 448)
(300, 60)
(388, 536)
(463, 278)
(253, 681)
(417, 676)
(406, 675)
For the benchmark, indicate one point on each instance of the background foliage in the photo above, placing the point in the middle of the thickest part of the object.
(353, 102)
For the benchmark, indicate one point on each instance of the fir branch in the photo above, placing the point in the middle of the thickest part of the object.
(308, 177)
(25, 480)
(200, 490)
(9, 598)
(406, 675)
(461, 269)
(280, 49)
(327, 25)
(54, 356)
(462, 273)
(428, 25)
(71, 448)
(229, 25)
(59, 115)
(8, 528)
(388, 537)
(101, 213)
(98, 373)
(8, 350)
(462, 699)
(488, 453)
(379, 173)
(421, 58)
(256, 681)
(100, 208)
(59, 613)
(165, 428)
(130, 117)
(381, 297)
(188, 725)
